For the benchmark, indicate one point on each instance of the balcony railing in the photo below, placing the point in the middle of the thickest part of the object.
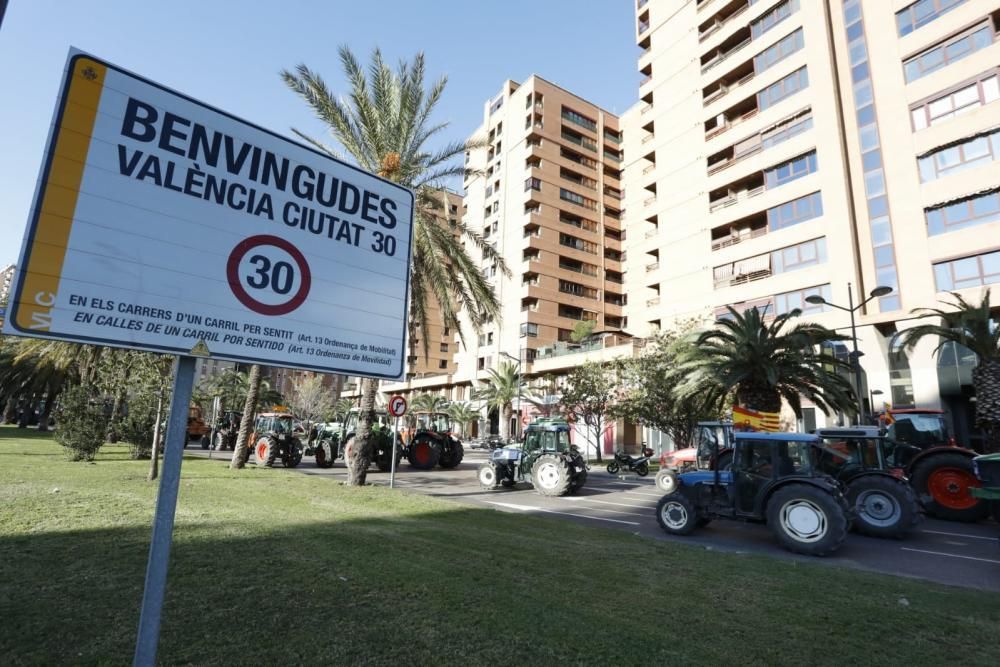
(652, 266)
(645, 80)
(643, 27)
(652, 232)
(580, 141)
(735, 198)
(655, 301)
(743, 278)
(642, 3)
(717, 25)
(648, 168)
(723, 56)
(649, 200)
(646, 108)
(736, 239)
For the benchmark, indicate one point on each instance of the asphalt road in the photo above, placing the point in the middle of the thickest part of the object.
(947, 552)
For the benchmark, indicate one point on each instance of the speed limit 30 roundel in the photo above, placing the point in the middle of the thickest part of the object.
(397, 406)
(268, 276)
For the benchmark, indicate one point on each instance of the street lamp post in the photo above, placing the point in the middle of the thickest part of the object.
(517, 422)
(817, 299)
(871, 397)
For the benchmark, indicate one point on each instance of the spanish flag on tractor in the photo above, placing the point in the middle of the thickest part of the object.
(745, 419)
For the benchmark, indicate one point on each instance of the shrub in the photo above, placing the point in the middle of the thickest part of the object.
(136, 427)
(82, 423)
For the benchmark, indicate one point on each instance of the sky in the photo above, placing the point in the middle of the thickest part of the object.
(229, 53)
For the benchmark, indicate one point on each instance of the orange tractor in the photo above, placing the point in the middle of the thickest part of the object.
(431, 443)
(197, 429)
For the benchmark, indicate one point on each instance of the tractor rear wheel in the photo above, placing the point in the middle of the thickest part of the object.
(324, 453)
(265, 452)
(551, 475)
(942, 482)
(883, 506)
(807, 519)
(382, 455)
(676, 514)
(424, 452)
(452, 455)
(489, 476)
(220, 441)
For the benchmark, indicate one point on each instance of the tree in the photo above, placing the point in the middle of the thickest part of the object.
(462, 414)
(427, 402)
(765, 363)
(501, 389)
(589, 395)
(650, 383)
(246, 423)
(974, 327)
(385, 126)
(342, 408)
(310, 400)
(582, 330)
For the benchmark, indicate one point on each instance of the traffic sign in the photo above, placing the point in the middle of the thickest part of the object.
(397, 406)
(160, 222)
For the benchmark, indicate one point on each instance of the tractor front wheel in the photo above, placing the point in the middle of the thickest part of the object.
(807, 519)
(883, 506)
(942, 482)
(676, 514)
(551, 475)
(294, 455)
(452, 455)
(489, 476)
(324, 454)
(265, 452)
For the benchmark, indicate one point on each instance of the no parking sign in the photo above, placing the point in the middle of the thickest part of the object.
(397, 406)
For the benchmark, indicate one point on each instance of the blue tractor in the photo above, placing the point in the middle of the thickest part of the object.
(773, 479)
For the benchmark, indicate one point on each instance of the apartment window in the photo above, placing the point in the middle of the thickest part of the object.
(528, 329)
(497, 103)
(577, 221)
(567, 287)
(775, 54)
(578, 139)
(785, 131)
(612, 135)
(533, 184)
(947, 53)
(442, 364)
(967, 272)
(446, 331)
(579, 200)
(786, 302)
(773, 17)
(972, 152)
(921, 13)
(481, 363)
(577, 266)
(795, 211)
(791, 170)
(612, 155)
(786, 87)
(956, 102)
(579, 119)
(801, 256)
(967, 212)
(577, 244)
(444, 347)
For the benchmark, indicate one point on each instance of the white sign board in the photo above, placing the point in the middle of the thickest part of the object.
(160, 222)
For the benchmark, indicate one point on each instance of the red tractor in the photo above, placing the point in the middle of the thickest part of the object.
(918, 446)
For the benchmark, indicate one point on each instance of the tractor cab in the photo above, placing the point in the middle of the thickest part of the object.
(844, 453)
(274, 423)
(382, 421)
(438, 422)
(910, 432)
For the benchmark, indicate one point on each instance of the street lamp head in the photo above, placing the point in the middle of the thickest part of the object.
(877, 392)
(815, 299)
(882, 290)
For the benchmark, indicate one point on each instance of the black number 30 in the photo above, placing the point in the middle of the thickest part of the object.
(278, 277)
(384, 244)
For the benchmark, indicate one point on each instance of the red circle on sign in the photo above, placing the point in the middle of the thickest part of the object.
(233, 275)
(397, 406)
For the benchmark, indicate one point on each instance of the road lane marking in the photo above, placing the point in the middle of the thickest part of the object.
(640, 493)
(971, 537)
(941, 553)
(529, 508)
(605, 502)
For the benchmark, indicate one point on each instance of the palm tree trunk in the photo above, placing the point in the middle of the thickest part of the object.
(986, 381)
(249, 408)
(154, 459)
(10, 410)
(505, 421)
(360, 456)
(755, 397)
(50, 401)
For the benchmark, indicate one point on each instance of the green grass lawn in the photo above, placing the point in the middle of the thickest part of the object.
(272, 567)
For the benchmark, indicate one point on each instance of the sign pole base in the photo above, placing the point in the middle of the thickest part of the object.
(163, 519)
(395, 437)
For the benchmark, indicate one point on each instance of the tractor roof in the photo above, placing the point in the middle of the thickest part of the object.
(851, 432)
(548, 424)
(280, 415)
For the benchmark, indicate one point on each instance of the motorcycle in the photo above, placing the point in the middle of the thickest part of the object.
(637, 464)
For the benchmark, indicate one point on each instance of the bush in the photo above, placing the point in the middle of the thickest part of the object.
(136, 427)
(81, 423)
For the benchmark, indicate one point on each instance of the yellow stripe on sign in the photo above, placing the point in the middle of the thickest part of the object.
(57, 206)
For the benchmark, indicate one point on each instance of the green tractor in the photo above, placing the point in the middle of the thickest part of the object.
(326, 444)
(546, 460)
(381, 439)
(987, 470)
(273, 439)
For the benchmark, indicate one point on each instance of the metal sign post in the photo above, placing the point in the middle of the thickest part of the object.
(397, 408)
(395, 439)
(163, 519)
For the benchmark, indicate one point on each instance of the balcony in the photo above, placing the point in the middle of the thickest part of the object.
(735, 115)
(787, 128)
(734, 197)
(721, 18)
(655, 301)
(649, 201)
(643, 26)
(645, 108)
(736, 78)
(652, 232)
(653, 266)
(736, 233)
(579, 140)
(736, 42)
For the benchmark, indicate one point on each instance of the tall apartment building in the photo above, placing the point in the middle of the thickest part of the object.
(785, 148)
(547, 194)
(6, 281)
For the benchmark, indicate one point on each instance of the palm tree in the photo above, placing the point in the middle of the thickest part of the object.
(765, 363)
(462, 414)
(974, 327)
(342, 408)
(385, 127)
(501, 389)
(427, 402)
(246, 422)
